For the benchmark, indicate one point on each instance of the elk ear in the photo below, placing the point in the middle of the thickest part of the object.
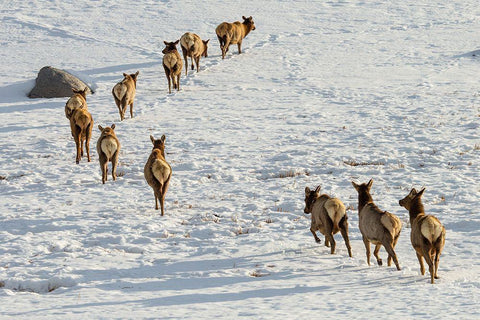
(317, 190)
(124, 74)
(243, 17)
(420, 193)
(163, 138)
(100, 127)
(152, 138)
(176, 42)
(356, 186)
(369, 184)
(307, 191)
(207, 41)
(112, 126)
(166, 43)
(136, 73)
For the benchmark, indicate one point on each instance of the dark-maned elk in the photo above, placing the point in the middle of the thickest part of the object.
(233, 33)
(377, 226)
(108, 149)
(78, 100)
(81, 124)
(124, 93)
(328, 217)
(194, 47)
(172, 63)
(427, 235)
(157, 171)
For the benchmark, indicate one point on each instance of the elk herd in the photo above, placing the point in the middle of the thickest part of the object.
(328, 215)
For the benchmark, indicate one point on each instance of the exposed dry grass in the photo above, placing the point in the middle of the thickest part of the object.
(258, 274)
(291, 174)
(354, 163)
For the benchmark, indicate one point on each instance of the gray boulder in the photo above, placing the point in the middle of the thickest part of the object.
(55, 83)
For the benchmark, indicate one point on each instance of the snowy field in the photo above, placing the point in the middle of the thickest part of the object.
(326, 92)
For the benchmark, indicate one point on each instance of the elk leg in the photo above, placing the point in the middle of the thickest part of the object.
(162, 203)
(428, 258)
(389, 260)
(388, 246)
(131, 110)
(317, 239)
(437, 261)
(169, 84)
(375, 253)
(420, 260)
(191, 60)
(156, 201)
(186, 60)
(332, 242)
(77, 144)
(344, 232)
(197, 60)
(178, 82)
(367, 248)
(239, 44)
(104, 172)
(87, 141)
(220, 40)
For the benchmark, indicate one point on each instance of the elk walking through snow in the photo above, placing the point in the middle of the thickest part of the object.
(108, 149)
(377, 226)
(427, 235)
(81, 124)
(233, 33)
(194, 47)
(157, 171)
(124, 93)
(172, 64)
(328, 216)
(76, 101)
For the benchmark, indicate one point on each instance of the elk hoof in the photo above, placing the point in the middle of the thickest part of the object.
(318, 241)
(380, 262)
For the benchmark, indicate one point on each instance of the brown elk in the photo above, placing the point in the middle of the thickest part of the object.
(108, 149)
(78, 100)
(194, 47)
(124, 93)
(328, 217)
(81, 124)
(157, 171)
(172, 63)
(233, 33)
(377, 226)
(427, 235)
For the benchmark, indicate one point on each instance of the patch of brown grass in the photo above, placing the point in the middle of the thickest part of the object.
(354, 163)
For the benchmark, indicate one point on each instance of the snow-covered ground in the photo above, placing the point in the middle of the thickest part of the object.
(326, 92)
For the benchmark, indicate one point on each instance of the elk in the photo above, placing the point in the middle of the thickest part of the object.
(377, 226)
(124, 93)
(157, 171)
(81, 124)
(233, 33)
(328, 216)
(172, 63)
(108, 149)
(78, 100)
(427, 235)
(194, 47)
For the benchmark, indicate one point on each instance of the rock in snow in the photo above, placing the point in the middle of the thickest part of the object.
(56, 83)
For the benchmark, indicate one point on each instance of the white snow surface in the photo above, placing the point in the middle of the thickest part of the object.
(325, 93)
